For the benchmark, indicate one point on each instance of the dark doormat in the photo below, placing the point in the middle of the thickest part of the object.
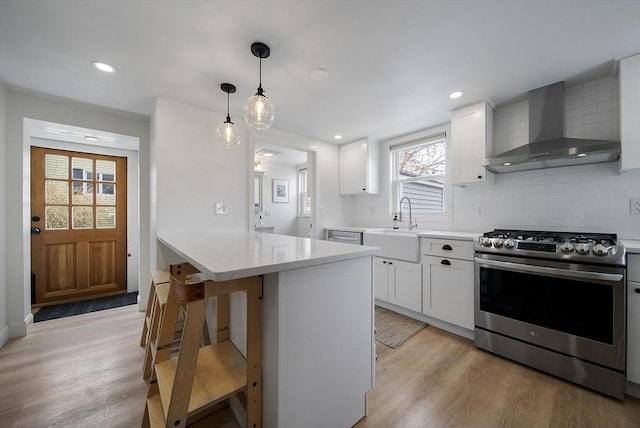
(84, 306)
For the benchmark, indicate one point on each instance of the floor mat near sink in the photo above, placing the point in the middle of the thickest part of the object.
(393, 329)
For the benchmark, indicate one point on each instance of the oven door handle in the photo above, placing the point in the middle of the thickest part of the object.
(550, 271)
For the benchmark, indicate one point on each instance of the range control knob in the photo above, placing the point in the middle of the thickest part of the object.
(600, 250)
(582, 248)
(486, 242)
(498, 242)
(509, 243)
(566, 247)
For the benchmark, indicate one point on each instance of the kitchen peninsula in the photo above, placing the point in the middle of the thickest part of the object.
(317, 318)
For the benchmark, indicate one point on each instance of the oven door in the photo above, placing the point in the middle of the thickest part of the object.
(578, 310)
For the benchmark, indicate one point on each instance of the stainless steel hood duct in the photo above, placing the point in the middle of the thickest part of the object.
(548, 147)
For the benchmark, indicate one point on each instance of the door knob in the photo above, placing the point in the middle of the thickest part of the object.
(35, 230)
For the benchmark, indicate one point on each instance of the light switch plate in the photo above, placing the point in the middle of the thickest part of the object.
(221, 208)
(635, 206)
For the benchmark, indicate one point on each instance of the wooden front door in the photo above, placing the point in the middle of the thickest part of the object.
(79, 225)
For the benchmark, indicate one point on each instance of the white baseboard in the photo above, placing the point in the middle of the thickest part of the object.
(20, 329)
(632, 389)
(4, 335)
(443, 325)
(238, 410)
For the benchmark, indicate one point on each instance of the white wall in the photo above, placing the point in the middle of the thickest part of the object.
(22, 104)
(193, 171)
(4, 326)
(587, 198)
(281, 215)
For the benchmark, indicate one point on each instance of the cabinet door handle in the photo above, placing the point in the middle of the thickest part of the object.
(447, 247)
(445, 262)
(390, 263)
(637, 290)
(384, 262)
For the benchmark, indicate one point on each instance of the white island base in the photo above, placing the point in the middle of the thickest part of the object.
(318, 360)
(317, 320)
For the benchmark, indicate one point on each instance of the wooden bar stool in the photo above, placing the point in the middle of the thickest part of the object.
(157, 277)
(158, 296)
(196, 382)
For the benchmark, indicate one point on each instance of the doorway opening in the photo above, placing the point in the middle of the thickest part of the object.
(84, 213)
(283, 190)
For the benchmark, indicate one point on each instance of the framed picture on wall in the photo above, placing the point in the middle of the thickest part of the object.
(280, 191)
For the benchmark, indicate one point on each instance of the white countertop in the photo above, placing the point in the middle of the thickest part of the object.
(227, 255)
(421, 233)
(466, 236)
(632, 245)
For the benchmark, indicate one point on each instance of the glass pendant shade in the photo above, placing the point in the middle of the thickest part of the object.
(228, 134)
(259, 112)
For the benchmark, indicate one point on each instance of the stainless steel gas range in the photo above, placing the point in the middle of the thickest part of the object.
(554, 301)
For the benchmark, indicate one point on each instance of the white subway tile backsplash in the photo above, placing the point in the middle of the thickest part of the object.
(598, 117)
(608, 106)
(598, 98)
(608, 125)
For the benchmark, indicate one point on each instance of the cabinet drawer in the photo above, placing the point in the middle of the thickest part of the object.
(633, 267)
(447, 248)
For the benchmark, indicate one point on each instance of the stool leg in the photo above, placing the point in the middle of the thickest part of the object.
(152, 293)
(254, 353)
(187, 362)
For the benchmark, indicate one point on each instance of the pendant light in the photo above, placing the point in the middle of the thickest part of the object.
(258, 110)
(227, 132)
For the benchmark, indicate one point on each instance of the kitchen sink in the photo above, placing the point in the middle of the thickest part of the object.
(395, 243)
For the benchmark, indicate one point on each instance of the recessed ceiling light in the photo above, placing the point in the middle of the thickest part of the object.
(337, 137)
(581, 155)
(91, 138)
(506, 163)
(266, 153)
(319, 74)
(456, 94)
(102, 66)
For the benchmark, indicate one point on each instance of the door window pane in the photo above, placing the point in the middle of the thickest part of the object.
(105, 217)
(105, 170)
(106, 194)
(82, 168)
(82, 217)
(56, 218)
(56, 166)
(56, 192)
(82, 193)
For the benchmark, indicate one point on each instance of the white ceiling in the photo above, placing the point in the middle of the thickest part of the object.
(392, 64)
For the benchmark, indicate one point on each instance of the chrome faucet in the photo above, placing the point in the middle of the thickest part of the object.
(412, 224)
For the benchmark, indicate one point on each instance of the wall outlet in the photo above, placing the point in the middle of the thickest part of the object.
(321, 210)
(635, 206)
(221, 208)
(267, 213)
(480, 209)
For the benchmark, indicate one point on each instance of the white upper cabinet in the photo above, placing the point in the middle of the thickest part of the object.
(629, 81)
(471, 142)
(359, 167)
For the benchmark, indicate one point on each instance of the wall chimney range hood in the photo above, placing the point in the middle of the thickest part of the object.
(548, 147)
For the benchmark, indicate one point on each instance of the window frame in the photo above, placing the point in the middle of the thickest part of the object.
(300, 194)
(436, 134)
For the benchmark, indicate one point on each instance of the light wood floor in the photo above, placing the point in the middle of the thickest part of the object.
(85, 371)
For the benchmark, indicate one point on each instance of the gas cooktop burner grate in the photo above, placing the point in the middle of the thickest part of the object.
(600, 248)
(606, 239)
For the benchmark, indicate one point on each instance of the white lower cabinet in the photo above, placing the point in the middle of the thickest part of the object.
(447, 280)
(398, 282)
(633, 318)
(447, 290)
